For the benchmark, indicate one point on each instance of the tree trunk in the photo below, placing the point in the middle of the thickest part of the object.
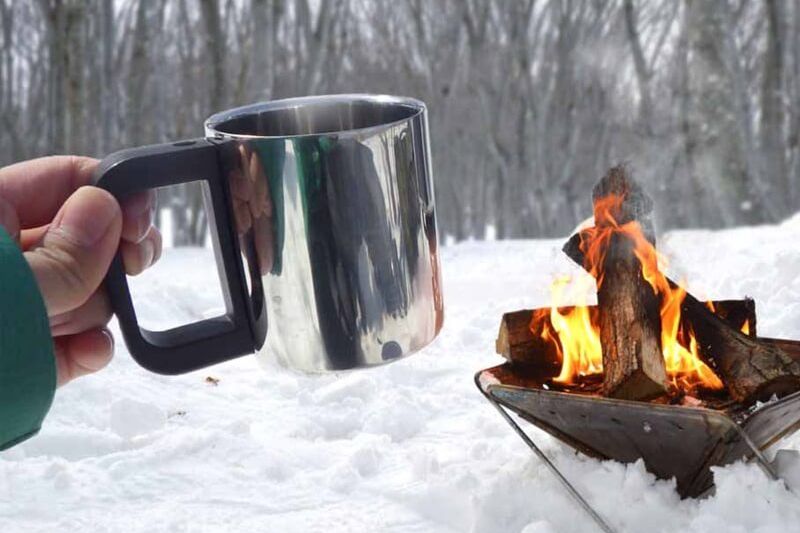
(74, 62)
(773, 153)
(53, 12)
(214, 44)
(714, 132)
(138, 74)
(108, 91)
(640, 67)
(7, 100)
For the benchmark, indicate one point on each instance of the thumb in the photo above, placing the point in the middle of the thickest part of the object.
(73, 256)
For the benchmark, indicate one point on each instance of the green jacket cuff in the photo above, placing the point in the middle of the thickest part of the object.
(27, 363)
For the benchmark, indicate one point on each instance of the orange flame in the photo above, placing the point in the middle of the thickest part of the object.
(575, 333)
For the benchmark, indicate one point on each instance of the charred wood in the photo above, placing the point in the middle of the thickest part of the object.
(629, 319)
(520, 337)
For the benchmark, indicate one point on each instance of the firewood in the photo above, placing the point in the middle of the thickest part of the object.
(750, 369)
(629, 319)
(739, 310)
(739, 314)
(520, 340)
(790, 347)
(635, 204)
(630, 327)
(520, 344)
(573, 248)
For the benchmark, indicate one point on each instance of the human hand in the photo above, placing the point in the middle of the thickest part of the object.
(252, 208)
(69, 233)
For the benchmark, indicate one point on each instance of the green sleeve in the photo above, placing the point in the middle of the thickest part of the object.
(27, 364)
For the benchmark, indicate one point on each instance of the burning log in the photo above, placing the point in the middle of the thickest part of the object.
(520, 338)
(630, 327)
(630, 324)
(741, 312)
(791, 348)
(750, 368)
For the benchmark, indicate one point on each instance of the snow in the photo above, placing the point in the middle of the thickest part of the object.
(409, 447)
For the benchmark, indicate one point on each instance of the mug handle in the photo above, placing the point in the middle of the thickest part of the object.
(199, 344)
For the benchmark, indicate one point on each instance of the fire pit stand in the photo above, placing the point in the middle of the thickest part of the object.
(674, 441)
(552, 467)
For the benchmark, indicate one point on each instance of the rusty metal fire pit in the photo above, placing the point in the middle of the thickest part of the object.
(672, 440)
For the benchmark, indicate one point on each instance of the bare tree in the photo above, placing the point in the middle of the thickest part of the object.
(54, 14)
(214, 48)
(719, 169)
(107, 91)
(643, 73)
(773, 146)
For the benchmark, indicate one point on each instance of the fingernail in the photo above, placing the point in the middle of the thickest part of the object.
(86, 215)
(158, 249)
(109, 338)
(140, 203)
(148, 252)
(143, 224)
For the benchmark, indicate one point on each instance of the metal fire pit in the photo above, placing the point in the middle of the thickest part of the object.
(673, 440)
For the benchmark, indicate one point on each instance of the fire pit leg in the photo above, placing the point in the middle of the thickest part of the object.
(765, 465)
(602, 524)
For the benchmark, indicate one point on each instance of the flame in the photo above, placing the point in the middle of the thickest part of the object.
(575, 333)
(745, 327)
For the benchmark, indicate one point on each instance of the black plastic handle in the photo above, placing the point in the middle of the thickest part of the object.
(203, 343)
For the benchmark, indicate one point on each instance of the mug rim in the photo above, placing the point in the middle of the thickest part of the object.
(213, 122)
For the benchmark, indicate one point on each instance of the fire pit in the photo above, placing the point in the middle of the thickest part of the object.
(649, 372)
(673, 440)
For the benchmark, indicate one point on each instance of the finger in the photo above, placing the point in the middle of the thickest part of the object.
(95, 313)
(83, 353)
(31, 237)
(263, 237)
(159, 245)
(138, 212)
(261, 202)
(241, 187)
(137, 257)
(71, 260)
(9, 220)
(244, 160)
(36, 189)
(241, 212)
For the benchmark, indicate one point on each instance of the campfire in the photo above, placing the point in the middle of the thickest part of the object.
(650, 372)
(647, 338)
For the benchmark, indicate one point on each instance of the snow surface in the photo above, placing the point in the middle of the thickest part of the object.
(409, 447)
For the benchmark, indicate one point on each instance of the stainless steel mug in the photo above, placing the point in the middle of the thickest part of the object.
(321, 211)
